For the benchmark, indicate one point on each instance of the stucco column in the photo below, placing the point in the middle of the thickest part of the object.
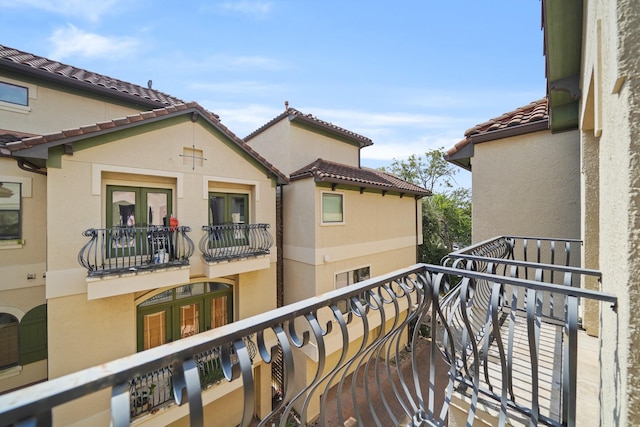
(590, 205)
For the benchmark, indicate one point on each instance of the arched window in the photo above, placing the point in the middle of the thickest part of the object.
(183, 311)
(9, 349)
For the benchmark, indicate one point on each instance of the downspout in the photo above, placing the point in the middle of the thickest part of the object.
(416, 226)
(279, 246)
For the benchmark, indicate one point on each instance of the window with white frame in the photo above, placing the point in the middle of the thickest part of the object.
(347, 278)
(14, 94)
(332, 208)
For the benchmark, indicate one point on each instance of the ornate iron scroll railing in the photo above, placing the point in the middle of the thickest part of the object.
(154, 389)
(539, 250)
(233, 241)
(370, 353)
(128, 249)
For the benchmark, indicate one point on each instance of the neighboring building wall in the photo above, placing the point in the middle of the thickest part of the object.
(23, 265)
(527, 185)
(611, 113)
(85, 330)
(378, 232)
(51, 108)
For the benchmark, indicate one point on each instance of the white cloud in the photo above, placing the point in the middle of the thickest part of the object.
(88, 9)
(71, 41)
(256, 9)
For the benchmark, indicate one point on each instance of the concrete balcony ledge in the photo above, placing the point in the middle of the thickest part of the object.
(135, 281)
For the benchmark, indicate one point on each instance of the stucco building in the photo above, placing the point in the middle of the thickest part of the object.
(130, 220)
(343, 223)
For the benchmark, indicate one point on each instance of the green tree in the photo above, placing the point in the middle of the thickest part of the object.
(446, 215)
(431, 172)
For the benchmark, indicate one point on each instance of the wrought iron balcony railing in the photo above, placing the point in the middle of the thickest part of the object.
(154, 389)
(233, 241)
(474, 319)
(120, 250)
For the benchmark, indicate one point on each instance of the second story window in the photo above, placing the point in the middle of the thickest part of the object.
(138, 206)
(10, 207)
(227, 208)
(332, 208)
(14, 94)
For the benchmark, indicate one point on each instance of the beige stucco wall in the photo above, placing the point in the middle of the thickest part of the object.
(378, 232)
(52, 109)
(289, 147)
(84, 332)
(527, 185)
(309, 146)
(612, 66)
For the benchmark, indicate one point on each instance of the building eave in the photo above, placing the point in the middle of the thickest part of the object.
(562, 22)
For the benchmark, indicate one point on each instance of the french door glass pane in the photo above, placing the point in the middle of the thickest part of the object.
(217, 209)
(219, 315)
(155, 327)
(186, 291)
(189, 324)
(124, 207)
(157, 208)
(238, 209)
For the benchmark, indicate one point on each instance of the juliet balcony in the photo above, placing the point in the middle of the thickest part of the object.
(235, 248)
(119, 250)
(490, 337)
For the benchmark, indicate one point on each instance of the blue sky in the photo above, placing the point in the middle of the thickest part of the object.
(411, 74)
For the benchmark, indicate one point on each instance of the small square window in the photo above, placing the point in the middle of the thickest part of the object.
(14, 94)
(332, 208)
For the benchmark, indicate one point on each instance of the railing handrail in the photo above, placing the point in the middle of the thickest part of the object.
(531, 284)
(529, 264)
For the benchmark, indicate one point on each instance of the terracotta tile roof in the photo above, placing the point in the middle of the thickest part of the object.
(46, 68)
(71, 135)
(515, 122)
(294, 115)
(322, 170)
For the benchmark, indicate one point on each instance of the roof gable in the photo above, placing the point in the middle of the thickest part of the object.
(38, 146)
(313, 122)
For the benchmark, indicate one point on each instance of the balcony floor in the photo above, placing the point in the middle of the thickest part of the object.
(550, 371)
(588, 384)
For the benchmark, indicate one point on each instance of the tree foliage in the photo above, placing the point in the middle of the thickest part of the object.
(446, 215)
